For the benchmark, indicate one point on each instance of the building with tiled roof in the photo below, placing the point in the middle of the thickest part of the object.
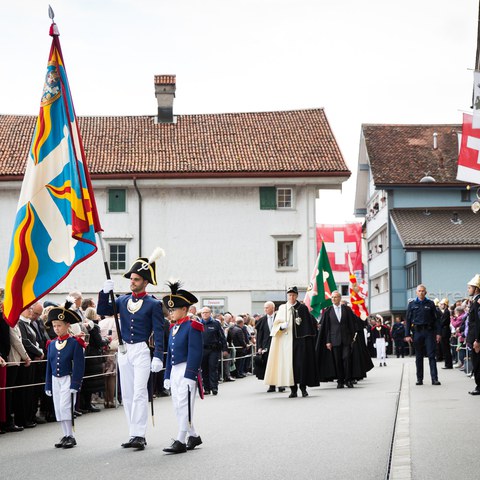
(419, 224)
(243, 185)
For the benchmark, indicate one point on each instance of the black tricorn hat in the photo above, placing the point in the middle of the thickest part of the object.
(178, 298)
(64, 314)
(292, 290)
(145, 267)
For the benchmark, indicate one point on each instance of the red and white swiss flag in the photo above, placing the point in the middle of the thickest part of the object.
(469, 156)
(339, 240)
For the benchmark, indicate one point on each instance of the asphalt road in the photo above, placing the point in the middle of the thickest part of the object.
(248, 433)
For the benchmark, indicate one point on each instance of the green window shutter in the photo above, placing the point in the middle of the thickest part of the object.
(117, 200)
(268, 198)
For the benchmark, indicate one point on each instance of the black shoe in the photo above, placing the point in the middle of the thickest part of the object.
(40, 420)
(69, 442)
(214, 392)
(80, 411)
(349, 384)
(93, 408)
(281, 389)
(435, 382)
(474, 392)
(176, 447)
(271, 389)
(30, 425)
(138, 443)
(419, 382)
(77, 413)
(230, 379)
(13, 428)
(304, 393)
(340, 385)
(61, 442)
(447, 368)
(242, 375)
(193, 442)
(207, 392)
(380, 364)
(293, 395)
(128, 444)
(384, 364)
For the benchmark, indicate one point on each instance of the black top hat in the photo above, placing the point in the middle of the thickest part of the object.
(292, 290)
(64, 314)
(178, 298)
(145, 267)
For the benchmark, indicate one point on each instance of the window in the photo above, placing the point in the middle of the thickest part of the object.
(412, 277)
(272, 198)
(345, 291)
(465, 195)
(117, 200)
(284, 198)
(118, 256)
(285, 253)
(268, 198)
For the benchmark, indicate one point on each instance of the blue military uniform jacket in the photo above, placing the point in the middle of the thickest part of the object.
(69, 360)
(424, 314)
(185, 344)
(137, 327)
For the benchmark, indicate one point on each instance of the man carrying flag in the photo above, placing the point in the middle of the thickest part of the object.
(357, 294)
(56, 216)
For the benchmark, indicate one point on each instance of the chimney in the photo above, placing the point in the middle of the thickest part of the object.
(435, 142)
(165, 86)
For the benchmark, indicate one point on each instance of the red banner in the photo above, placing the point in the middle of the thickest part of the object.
(469, 156)
(340, 239)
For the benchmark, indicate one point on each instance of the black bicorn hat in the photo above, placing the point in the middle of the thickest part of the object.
(64, 314)
(145, 267)
(178, 298)
(292, 290)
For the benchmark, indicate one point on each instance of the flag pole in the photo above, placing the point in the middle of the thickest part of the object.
(121, 346)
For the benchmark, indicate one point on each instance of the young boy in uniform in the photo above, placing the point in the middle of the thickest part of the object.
(65, 368)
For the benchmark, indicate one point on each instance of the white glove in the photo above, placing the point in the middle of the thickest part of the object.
(156, 365)
(166, 384)
(48, 393)
(283, 326)
(191, 383)
(72, 390)
(108, 286)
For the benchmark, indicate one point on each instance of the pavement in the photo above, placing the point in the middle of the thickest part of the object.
(426, 431)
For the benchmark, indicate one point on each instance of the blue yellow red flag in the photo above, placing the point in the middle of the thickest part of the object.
(56, 216)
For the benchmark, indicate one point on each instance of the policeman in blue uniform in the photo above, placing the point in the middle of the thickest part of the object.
(65, 368)
(422, 318)
(141, 315)
(184, 358)
(214, 343)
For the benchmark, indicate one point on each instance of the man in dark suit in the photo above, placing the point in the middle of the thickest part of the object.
(338, 322)
(264, 327)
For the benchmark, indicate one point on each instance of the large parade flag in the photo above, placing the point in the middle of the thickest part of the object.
(340, 239)
(322, 284)
(358, 293)
(469, 156)
(56, 216)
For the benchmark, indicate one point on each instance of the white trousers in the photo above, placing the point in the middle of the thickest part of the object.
(380, 345)
(179, 389)
(62, 398)
(134, 373)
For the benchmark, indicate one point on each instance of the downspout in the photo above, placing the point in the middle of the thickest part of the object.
(139, 195)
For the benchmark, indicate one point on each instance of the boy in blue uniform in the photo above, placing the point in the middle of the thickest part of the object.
(65, 368)
(184, 358)
(140, 316)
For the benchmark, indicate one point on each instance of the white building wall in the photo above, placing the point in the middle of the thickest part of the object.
(217, 240)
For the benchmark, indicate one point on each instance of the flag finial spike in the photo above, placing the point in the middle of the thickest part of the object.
(51, 13)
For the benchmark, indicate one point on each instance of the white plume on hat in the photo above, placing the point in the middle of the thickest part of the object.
(156, 254)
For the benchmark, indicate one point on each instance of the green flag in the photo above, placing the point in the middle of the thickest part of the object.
(321, 285)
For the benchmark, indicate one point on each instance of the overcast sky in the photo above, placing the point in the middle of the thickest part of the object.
(364, 61)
